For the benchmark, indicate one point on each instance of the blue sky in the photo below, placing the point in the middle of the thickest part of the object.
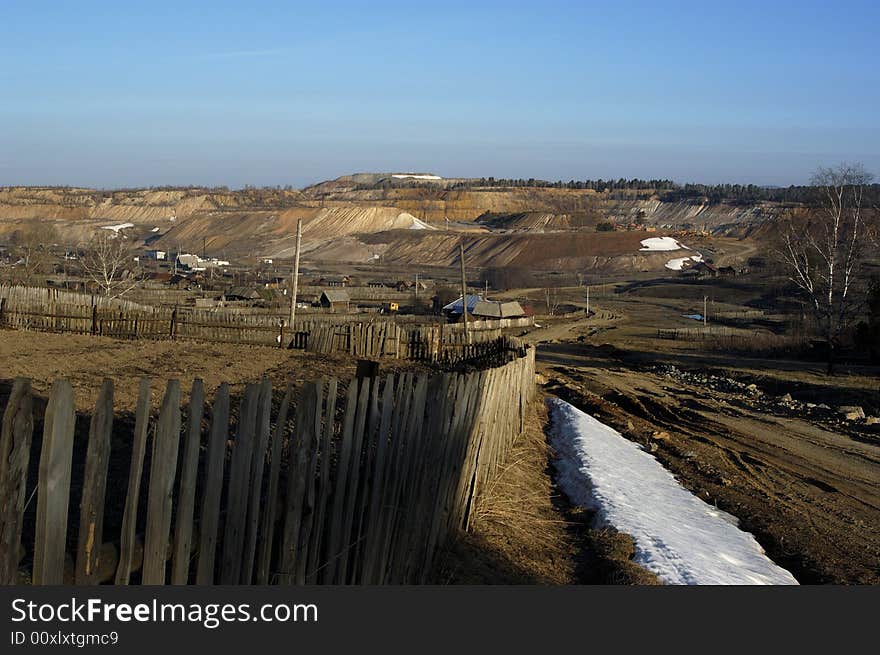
(146, 93)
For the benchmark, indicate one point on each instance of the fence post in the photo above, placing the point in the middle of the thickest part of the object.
(172, 329)
(94, 319)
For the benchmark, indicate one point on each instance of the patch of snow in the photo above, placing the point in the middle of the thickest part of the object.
(696, 317)
(155, 229)
(680, 263)
(420, 225)
(679, 537)
(116, 228)
(414, 176)
(658, 244)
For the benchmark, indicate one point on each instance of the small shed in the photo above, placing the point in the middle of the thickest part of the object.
(335, 300)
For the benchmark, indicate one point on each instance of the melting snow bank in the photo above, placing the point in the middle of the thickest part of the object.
(116, 228)
(658, 244)
(677, 536)
(681, 263)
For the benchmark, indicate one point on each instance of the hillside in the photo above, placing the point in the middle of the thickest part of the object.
(398, 217)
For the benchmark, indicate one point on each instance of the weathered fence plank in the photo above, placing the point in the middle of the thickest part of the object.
(324, 489)
(210, 509)
(91, 519)
(258, 464)
(53, 490)
(163, 469)
(300, 449)
(239, 485)
(186, 495)
(129, 516)
(15, 451)
(270, 515)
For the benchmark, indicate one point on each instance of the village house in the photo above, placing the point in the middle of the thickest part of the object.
(454, 309)
(495, 309)
(242, 293)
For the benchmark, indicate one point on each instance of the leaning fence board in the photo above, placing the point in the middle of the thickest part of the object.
(267, 529)
(258, 464)
(187, 491)
(210, 508)
(15, 450)
(309, 501)
(317, 541)
(349, 540)
(162, 473)
(129, 516)
(300, 450)
(91, 520)
(53, 488)
(377, 488)
(239, 485)
(337, 512)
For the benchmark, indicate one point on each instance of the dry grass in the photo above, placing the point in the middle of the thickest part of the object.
(517, 536)
(524, 531)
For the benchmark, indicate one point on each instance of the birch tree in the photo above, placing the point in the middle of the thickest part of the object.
(824, 246)
(106, 263)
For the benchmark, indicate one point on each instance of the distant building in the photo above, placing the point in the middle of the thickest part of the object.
(406, 285)
(700, 270)
(454, 309)
(494, 309)
(333, 281)
(335, 300)
(242, 293)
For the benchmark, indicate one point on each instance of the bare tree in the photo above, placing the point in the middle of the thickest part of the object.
(105, 263)
(552, 299)
(32, 246)
(823, 248)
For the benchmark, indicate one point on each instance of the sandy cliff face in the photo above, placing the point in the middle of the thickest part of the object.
(547, 228)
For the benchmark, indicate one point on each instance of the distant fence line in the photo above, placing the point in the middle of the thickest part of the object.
(360, 483)
(699, 333)
(51, 310)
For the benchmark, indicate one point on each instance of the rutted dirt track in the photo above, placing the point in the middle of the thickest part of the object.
(809, 490)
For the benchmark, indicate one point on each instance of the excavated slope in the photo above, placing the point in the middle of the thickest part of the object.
(273, 234)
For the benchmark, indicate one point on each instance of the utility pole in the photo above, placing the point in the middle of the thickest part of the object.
(705, 318)
(417, 285)
(486, 292)
(299, 225)
(464, 311)
(588, 301)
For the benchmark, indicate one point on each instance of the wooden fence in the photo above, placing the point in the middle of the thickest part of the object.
(699, 333)
(50, 310)
(357, 483)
